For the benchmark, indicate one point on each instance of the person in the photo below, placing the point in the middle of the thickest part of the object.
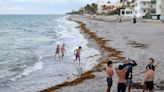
(120, 20)
(110, 73)
(57, 51)
(134, 19)
(148, 80)
(63, 50)
(129, 74)
(151, 62)
(121, 72)
(77, 54)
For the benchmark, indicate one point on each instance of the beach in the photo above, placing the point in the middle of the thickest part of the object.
(115, 41)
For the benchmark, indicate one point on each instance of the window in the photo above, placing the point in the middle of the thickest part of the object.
(128, 12)
(153, 10)
(123, 12)
(153, 1)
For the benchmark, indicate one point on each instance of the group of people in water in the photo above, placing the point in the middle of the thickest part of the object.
(125, 75)
(60, 52)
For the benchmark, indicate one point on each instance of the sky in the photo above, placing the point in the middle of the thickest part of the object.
(43, 6)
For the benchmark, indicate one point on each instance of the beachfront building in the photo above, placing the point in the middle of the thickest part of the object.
(128, 12)
(155, 9)
(106, 7)
(162, 10)
(142, 7)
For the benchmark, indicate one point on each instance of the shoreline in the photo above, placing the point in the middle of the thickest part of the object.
(100, 42)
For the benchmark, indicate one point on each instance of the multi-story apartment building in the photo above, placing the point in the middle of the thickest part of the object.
(142, 7)
(155, 9)
(104, 7)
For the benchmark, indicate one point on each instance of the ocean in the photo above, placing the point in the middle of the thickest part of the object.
(27, 52)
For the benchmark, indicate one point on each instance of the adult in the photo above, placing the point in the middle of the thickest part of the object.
(63, 51)
(129, 74)
(148, 80)
(77, 54)
(110, 73)
(134, 19)
(151, 63)
(57, 52)
(121, 72)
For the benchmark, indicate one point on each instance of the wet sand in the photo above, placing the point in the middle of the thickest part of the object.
(138, 41)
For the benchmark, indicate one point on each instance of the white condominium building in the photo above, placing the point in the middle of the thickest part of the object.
(142, 7)
(155, 9)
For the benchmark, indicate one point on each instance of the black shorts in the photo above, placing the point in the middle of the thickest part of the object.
(121, 87)
(109, 81)
(149, 85)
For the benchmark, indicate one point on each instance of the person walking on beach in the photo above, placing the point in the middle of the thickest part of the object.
(121, 72)
(110, 73)
(57, 52)
(134, 19)
(148, 80)
(63, 51)
(77, 54)
(151, 62)
(129, 74)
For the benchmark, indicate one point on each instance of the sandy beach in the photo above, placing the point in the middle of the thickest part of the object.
(139, 42)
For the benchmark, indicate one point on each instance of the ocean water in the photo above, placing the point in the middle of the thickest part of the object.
(27, 52)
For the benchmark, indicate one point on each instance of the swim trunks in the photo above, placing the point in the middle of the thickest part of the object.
(109, 81)
(121, 87)
(149, 85)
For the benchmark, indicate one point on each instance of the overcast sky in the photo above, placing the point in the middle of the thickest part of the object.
(42, 6)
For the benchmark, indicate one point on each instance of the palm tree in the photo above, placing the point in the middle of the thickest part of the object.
(93, 8)
(87, 9)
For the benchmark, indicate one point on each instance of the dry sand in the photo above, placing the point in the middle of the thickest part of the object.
(138, 41)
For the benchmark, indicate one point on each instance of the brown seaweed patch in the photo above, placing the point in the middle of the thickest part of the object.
(84, 76)
(98, 67)
(138, 45)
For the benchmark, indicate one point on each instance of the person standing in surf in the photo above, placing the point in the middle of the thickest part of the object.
(63, 51)
(57, 52)
(77, 54)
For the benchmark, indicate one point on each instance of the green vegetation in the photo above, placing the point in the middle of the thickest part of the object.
(88, 9)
